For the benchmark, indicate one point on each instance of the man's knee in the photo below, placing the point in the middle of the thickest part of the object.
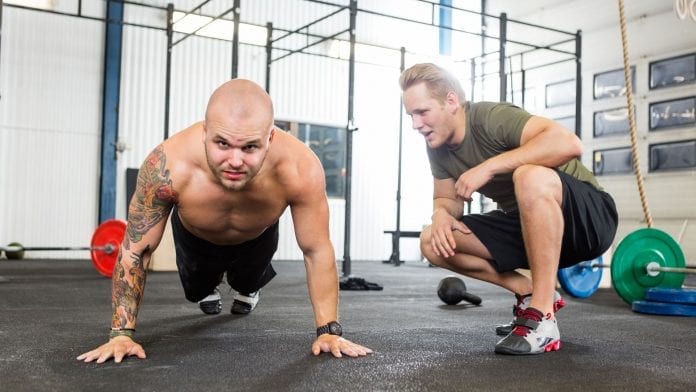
(533, 181)
(426, 247)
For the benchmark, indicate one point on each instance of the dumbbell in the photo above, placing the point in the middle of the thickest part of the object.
(452, 290)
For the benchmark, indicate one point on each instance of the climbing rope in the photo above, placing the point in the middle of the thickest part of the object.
(632, 119)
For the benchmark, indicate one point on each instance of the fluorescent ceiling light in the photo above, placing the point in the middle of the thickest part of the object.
(218, 28)
(42, 4)
(252, 34)
(222, 29)
(188, 23)
(339, 49)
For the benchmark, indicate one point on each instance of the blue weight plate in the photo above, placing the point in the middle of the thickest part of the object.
(581, 280)
(663, 308)
(663, 294)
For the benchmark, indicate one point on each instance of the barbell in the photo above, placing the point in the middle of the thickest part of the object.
(104, 246)
(645, 259)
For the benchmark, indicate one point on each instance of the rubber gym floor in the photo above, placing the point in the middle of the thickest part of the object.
(53, 310)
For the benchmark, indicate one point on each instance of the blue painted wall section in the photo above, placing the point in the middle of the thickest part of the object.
(111, 90)
(446, 33)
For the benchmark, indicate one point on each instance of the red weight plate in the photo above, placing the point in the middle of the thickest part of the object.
(110, 232)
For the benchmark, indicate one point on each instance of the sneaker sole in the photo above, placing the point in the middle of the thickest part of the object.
(211, 307)
(553, 346)
(239, 307)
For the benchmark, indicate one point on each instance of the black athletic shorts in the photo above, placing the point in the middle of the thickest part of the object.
(590, 221)
(201, 263)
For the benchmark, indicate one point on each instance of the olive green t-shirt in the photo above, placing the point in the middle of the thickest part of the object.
(491, 129)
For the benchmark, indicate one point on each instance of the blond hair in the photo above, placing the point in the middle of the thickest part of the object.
(438, 81)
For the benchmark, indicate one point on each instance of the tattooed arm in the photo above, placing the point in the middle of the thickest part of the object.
(147, 216)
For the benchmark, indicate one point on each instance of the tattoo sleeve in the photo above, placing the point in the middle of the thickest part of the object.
(153, 200)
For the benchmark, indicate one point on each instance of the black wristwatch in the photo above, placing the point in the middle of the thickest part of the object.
(332, 328)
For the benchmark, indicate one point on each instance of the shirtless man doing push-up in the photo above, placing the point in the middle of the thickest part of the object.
(226, 182)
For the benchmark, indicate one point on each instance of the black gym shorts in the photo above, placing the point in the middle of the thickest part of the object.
(201, 263)
(590, 221)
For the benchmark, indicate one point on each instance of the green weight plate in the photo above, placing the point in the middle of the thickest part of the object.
(628, 265)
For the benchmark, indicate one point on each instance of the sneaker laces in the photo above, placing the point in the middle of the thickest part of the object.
(517, 309)
(529, 314)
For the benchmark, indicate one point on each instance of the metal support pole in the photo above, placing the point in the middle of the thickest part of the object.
(472, 79)
(269, 53)
(501, 60)
(168, 71)
(350, 128)
(235, 40)
(578, 83)
(524, 87)
(484, 31)
(512, 82)
(2, 279)
(110, 108)
(396, 244)
(523, 76)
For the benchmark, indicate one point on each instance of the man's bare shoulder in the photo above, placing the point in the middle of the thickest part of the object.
(297, 167)
(180, 155)
(185, 147)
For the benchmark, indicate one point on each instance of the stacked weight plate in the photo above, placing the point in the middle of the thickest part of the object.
(668, 301)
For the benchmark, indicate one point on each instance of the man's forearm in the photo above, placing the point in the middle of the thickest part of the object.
(452, 207)
(322, 283)
(127, 287)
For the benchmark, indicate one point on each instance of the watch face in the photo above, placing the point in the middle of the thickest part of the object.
(335, 329)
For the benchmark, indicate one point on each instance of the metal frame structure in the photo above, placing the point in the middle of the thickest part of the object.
(354, 11)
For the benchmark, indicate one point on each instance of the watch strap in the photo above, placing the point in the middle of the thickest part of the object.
(326, 329)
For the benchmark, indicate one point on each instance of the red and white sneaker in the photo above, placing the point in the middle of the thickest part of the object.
(522, 304)
(533, 333)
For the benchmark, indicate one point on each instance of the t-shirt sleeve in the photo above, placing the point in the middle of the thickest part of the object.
(436, 166)
(505, 124)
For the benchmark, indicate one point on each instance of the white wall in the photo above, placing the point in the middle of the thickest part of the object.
(50, 83)
(50, 80)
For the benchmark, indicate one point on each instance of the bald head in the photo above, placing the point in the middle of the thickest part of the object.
(240, 100)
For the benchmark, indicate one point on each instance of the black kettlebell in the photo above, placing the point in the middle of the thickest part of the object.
(452, 290)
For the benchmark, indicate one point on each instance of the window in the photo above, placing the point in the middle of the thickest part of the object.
(560, 93)
(673, 156)
(673, 113)
(612, 84)
(568, 122)
(613, 161)
(611, 122)
(328, 143)
(673, 72)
